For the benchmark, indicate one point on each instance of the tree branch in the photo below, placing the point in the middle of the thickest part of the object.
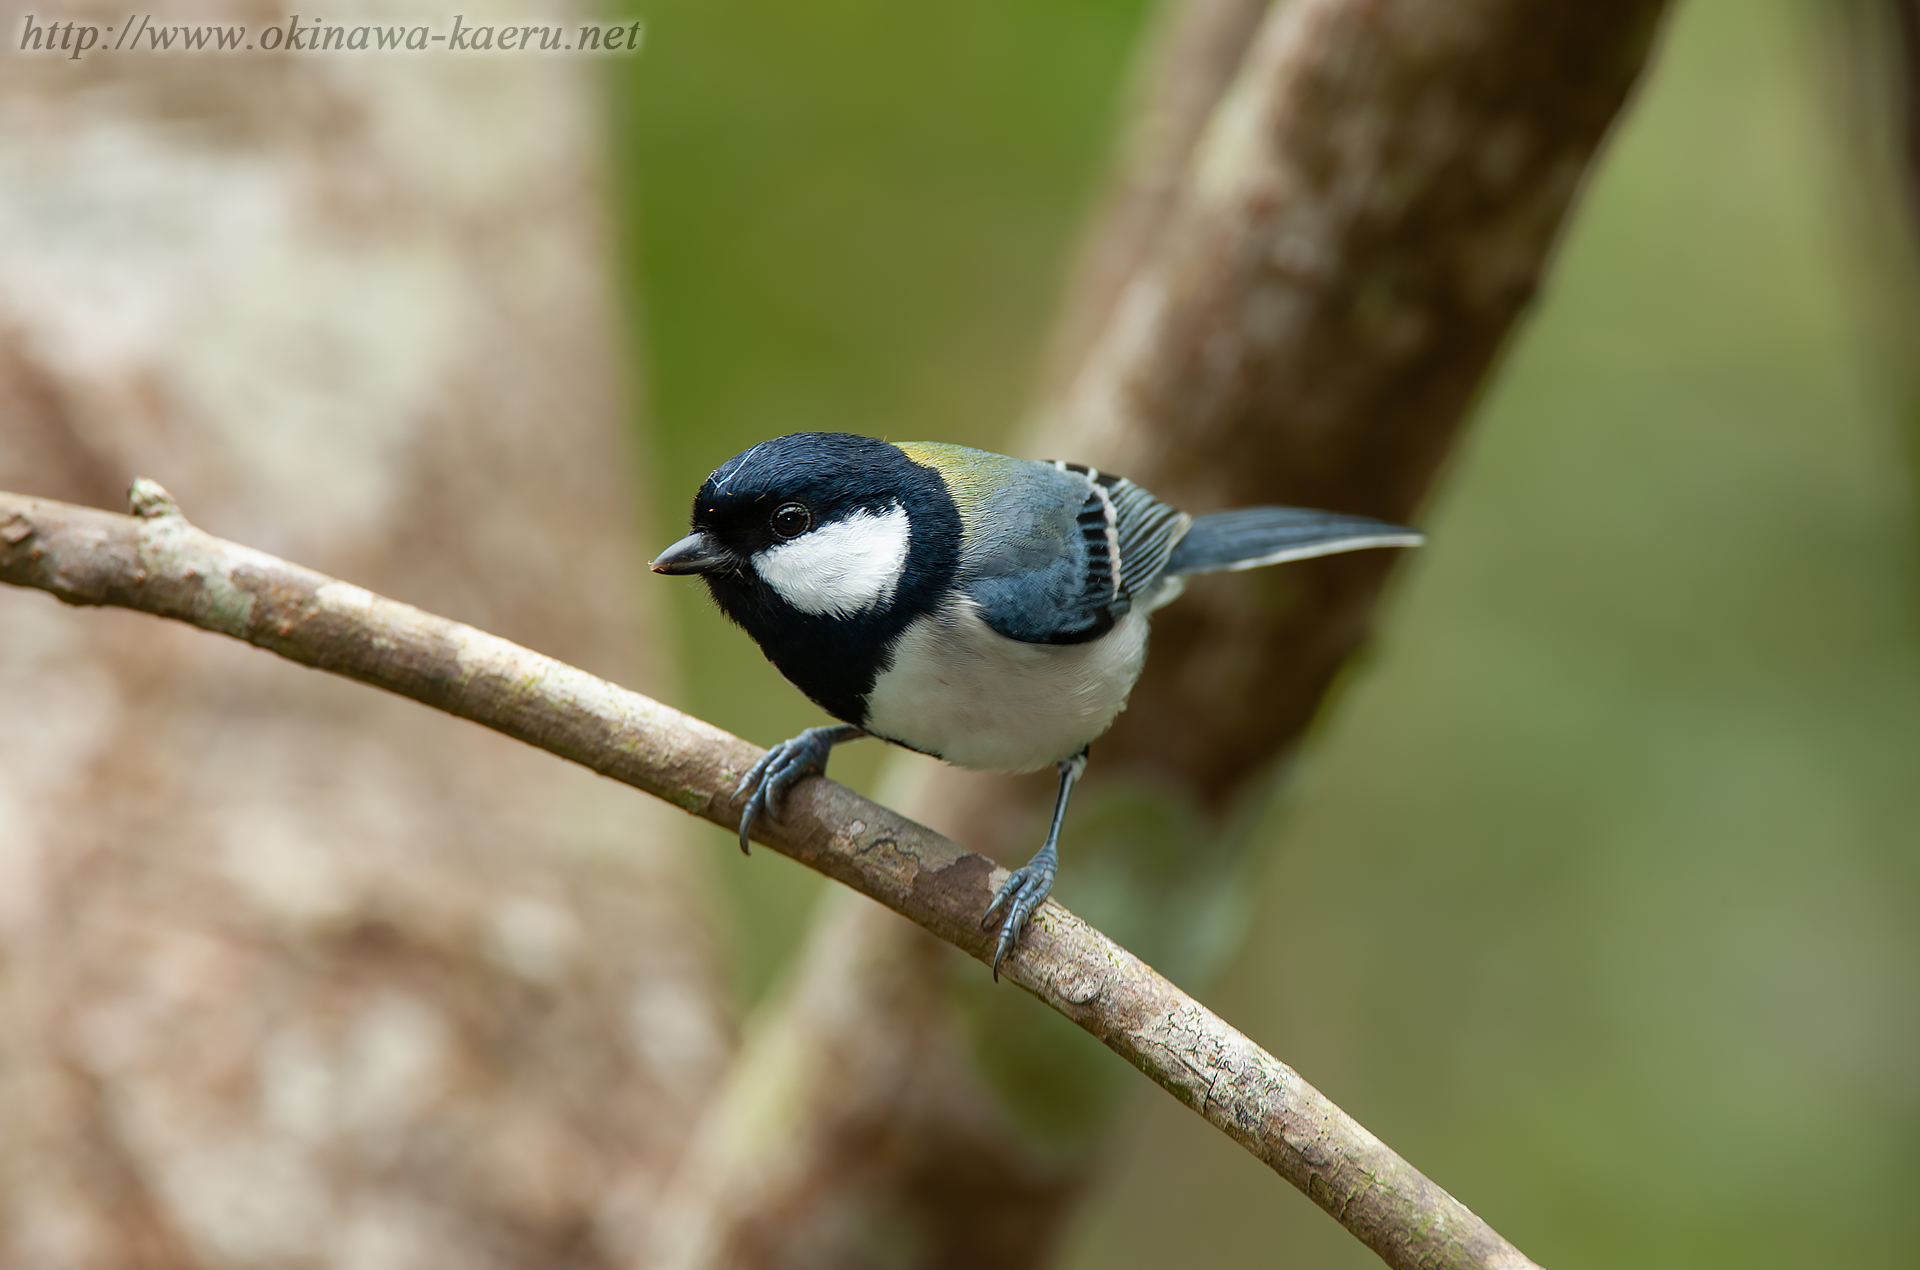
(155, 562)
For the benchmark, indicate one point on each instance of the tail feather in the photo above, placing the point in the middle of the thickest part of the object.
(1255, 536)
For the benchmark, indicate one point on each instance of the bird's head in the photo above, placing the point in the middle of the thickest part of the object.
(818, 527)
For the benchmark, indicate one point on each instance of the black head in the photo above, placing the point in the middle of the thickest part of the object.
(823, 546)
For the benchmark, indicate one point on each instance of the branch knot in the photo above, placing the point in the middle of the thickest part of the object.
(151, 502)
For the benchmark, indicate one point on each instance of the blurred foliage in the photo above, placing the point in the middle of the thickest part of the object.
(1599, 899)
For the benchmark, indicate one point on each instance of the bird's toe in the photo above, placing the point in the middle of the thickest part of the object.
(1023, 892)
(750, 783)
(767, 782)
(790, 770)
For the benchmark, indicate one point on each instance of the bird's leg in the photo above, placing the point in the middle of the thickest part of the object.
(1021, 893)
(782, 767)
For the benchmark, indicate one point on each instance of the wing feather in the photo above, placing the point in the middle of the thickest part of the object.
(1250, 537)
(1143, 530)
(1055, 553)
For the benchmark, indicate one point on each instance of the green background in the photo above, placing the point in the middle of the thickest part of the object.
(1599, 897)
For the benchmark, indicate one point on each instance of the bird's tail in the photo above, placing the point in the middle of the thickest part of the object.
(1255, 536)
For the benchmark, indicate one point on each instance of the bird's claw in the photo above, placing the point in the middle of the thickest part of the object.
(766, 783)
(1019, 895)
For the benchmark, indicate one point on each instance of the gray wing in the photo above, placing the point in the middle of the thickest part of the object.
(1062, 550)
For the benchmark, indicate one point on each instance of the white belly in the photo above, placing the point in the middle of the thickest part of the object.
(960, 690)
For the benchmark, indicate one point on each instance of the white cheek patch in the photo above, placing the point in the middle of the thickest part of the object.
(842, 568)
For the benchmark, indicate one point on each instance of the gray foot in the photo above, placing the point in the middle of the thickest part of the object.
(1027, 889)
(1019, 895)
(783, 767)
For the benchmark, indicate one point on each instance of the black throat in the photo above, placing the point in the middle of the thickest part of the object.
(835, 660)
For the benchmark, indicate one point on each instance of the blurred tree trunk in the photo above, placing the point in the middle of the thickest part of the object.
(1903, 253)
(1873, 66)
(1367, 198)
(294, 974)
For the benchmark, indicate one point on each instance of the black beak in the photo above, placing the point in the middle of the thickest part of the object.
(696, 553)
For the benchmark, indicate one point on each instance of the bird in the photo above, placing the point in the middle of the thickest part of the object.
(986, 610)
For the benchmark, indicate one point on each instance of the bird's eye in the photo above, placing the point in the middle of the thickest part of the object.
(792, 520)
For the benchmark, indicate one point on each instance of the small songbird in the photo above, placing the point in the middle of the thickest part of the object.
(986, 610)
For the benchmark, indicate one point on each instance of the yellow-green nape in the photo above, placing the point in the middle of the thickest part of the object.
(971, 475)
